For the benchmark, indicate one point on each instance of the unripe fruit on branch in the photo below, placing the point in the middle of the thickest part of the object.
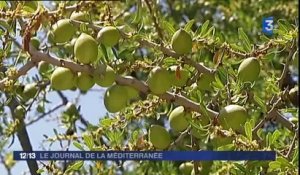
(86, 49)
(80, 16)
(249, 70)
(115, 98)
(182, 42)
(234, 117)
(35, 42)
(107, 78)
(159, 137)
(69, 47)
(159, 80)
(179, 119)
(186, 168)
(84, 81)
(132, 93)
(205, 80)
(179, 78)
(43, 67)
(29, 91)
(63, 31)
(19, 111)
(109, 36)
(63, 78)
(294, 96)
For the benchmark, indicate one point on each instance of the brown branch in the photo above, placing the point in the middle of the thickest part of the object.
(292, 145)
(286, 67)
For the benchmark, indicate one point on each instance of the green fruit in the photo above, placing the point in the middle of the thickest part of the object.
(80, 16)
(19, 111)
(234, 117)
(159, 80)
(85, 81)
(182, 42)
(35, 42)
(293, 96)
(179, 119)
(249, 70)
(107, 78)
(86, 49)
(186, 168)
(63, 31)
(29, 91)
(109, 36)
(63, 79)
(159, 137)
(181, 79)
(205, 80)
(133, 94)
(43, 67)
(115, 98)
(71, 109)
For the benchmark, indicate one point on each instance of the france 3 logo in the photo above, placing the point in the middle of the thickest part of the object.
(268, 25)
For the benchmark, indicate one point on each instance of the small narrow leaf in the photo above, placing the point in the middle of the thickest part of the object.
(88, 140)
(168, 27)
(75, 167)
(275, 136)
(78, 145)
(248, 130)
(189, 25)
(245, 40)
(204, 28)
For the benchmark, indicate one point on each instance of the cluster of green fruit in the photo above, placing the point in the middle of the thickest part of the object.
(230, 117)
(85, 50)
(187, 168)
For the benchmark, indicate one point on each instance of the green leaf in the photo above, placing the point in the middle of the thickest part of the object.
(78, 145)
(204, 28)
(104, 52)
(268, 140)
(295, 156)
(248, 130)
(275, 136)
(168, 27)
(210, 30)
(189, 25)
(39, 171)
(88, 140)
(227, 147)
(245, 40)
(75, 167)
(240, 167)
(284, 162)
(106, 122)
(274, 165)
(260, 102)
(138, 14)
(134, 136)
